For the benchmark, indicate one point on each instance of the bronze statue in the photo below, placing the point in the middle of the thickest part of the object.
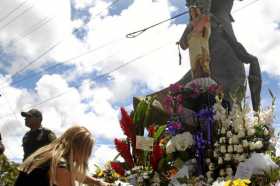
(227, 55)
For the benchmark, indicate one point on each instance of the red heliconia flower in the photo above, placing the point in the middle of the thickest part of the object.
(156, 156)
(127, 126)
(151, 130)
(124, 149)
(117, 166)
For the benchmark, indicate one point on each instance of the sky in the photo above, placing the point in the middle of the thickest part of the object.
(63, 57)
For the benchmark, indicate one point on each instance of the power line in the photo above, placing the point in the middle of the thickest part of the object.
(100, 76)
(12, 11)
(107, 73)
(49, 49)
(65, 61)
(249, 4)
(37, 58)
(90, 51)
(16, 17)
(34, 28)
(137, 33)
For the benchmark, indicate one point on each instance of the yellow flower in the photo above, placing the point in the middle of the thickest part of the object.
(100, 173)
(237, 182)
(116, 175)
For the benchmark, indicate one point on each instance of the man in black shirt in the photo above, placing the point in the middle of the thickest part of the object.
(38, 136)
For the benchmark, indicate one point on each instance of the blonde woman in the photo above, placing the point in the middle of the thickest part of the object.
(60, 163)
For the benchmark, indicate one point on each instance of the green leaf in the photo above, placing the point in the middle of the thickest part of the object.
(159, 132)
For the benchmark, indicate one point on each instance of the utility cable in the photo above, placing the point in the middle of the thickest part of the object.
(139, 32)
(16, 17)
(100, 76)
(12, 11)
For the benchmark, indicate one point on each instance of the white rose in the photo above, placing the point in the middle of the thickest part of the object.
(229, 134)
(230, 141)
(210, 180)
(266, 117)
(223, 130)
(252, 146)
(242, 157)
(223, 149)
(183, 141)
(266, 132)
(240, 149)
(222, 172)
(239, 158)
(222, 140)
(258, 145)
(220, 161)
(245, 143)
(229, 171)
(251, 132)
(170, 147)
(227, 157)
(230, 148)
(235, 139)
(241, 134)
(235, 148)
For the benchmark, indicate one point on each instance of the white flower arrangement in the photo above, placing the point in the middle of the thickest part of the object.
(218, 183)
(183, 141)
(170, 147)
(180, 142)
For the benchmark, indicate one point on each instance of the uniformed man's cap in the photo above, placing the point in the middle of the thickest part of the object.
(33, 112)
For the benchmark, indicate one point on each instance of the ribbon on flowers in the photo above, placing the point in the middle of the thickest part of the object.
(207, 115)
(200, 146)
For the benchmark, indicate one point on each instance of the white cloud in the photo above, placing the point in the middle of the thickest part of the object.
(104, 153)
(255, 27)
(80, 4)
(91, 104)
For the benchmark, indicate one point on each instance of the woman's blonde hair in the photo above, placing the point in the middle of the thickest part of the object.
(75, 146)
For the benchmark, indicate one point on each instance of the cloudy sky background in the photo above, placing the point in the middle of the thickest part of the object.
(63, 57)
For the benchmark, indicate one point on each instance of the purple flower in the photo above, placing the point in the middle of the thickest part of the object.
(173, 127)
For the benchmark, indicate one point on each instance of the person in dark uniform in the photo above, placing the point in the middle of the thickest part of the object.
(38, 136)
(2, 147)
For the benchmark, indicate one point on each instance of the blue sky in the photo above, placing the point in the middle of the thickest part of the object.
(88, 24)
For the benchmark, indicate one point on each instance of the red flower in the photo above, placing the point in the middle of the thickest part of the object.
(127, 126)
(117, 166)
(124, 150)
(151, 130)
(156, 156)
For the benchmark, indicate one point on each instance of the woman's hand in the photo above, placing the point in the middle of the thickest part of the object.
(101, 183)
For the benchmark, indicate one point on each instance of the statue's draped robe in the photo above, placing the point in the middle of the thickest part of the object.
(198, 43)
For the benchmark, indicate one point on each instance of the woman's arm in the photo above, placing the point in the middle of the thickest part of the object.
(89, 180)
(63, 177)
